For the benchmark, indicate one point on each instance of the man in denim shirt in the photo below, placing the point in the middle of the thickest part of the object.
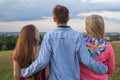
(65, 49)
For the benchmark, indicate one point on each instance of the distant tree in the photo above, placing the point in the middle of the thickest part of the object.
(11, 42)
(7, 42)
(0, 45)
(41, 38)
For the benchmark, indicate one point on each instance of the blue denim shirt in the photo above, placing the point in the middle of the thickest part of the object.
(65, 49)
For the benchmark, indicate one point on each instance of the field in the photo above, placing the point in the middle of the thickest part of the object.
(6, 71)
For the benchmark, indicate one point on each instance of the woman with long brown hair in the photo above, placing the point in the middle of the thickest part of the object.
(26, 51)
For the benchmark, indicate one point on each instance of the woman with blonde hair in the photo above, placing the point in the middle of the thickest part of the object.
(98, 48)
(26, 52)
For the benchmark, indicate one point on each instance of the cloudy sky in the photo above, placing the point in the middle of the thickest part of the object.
(14, 14)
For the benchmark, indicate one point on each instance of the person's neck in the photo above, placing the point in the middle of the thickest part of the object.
(92, 36)
(61, 24)
(95, 37)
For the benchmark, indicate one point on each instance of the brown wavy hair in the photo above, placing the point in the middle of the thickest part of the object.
(27, 47)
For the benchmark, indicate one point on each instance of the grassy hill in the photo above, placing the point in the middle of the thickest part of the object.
(116, 75)
(6, 71)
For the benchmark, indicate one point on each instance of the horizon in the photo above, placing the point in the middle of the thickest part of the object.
(46, 32)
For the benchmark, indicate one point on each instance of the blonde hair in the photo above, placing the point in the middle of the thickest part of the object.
(95, 26)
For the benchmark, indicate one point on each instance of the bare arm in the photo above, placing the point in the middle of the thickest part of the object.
(47, 71)
(16, 70)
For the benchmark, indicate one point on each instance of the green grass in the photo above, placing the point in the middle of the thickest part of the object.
(116, 75)
(6, 70)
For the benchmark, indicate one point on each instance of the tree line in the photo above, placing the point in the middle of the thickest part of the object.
(9, 42)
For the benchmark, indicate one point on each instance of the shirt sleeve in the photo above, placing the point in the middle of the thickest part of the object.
(42, 59)
(85, 58)
(111, 60)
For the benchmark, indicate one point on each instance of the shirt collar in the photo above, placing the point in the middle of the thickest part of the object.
(64, 27)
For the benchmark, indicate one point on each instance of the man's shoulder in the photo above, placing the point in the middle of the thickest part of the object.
(49, 34)
(72, 32)
(76, 33)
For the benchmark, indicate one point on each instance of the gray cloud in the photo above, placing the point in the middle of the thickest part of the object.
(22, 10)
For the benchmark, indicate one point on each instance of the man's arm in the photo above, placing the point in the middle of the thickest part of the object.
(85, 58)
(42, 59)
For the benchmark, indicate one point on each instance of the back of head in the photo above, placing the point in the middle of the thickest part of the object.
(61, 13)
(95, 26)
(25, 45)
